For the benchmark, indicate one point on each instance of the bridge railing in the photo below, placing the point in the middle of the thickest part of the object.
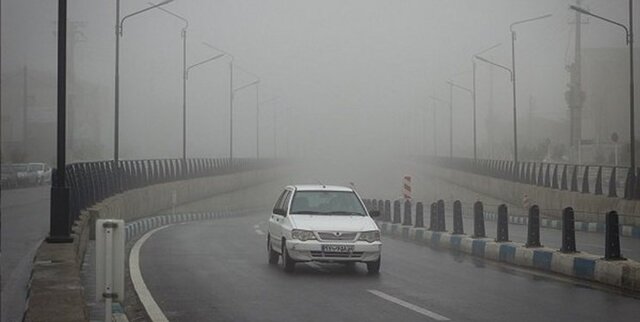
(611, 181)
(92, 182)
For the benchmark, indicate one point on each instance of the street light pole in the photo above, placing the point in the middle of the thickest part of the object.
(632, 131)
(451, 86)
(513, 75)
(435, 132)
(184, 110)
(119, 27)
(475, 140)
(184, 77)
(60, 224)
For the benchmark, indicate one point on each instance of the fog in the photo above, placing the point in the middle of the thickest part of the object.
(338, 79)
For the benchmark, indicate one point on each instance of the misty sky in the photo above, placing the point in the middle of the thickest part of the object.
(345, 75)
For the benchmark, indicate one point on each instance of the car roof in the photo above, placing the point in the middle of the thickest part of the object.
(318, 187)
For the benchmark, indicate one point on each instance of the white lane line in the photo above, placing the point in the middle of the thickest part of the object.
(259, 232)
(408, 305)
(256, 226)
(150, 305)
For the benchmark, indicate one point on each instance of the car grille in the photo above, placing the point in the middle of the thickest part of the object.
(322, 254)
(332, 236)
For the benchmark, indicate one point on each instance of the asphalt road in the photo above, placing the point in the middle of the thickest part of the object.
(218, 271)
(25, 222)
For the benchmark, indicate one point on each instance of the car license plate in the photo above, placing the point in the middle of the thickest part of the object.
(338, 248)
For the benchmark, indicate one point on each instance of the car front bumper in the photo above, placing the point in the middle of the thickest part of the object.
(311, 250)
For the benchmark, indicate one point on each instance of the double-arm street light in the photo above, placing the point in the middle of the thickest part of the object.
(119, 30)
(632, 135)
(513, 75)
(475, 138)
(451, 86)
(435, 132)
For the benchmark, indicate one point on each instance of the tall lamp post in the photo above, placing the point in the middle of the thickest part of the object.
(632, 134)
(119, 29)
(184, 77)
(184, 109)
(451, 86)
(257, 83)
(475, 137)
(230, 96)
(60, 223)
(513, 75)
(435, 132)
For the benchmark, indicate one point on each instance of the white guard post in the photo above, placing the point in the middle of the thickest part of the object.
(110, 234)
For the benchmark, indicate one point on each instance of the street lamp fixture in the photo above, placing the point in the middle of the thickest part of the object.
(119, 32)
(632, 134)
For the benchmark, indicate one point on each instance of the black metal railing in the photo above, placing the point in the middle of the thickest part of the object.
(92, 182)
(612, 181)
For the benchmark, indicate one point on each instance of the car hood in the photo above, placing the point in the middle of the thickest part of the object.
(333, 223)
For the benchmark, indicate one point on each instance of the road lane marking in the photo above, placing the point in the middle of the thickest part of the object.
(408, 305)
(259, 232)
(150, 305)
(317, 267)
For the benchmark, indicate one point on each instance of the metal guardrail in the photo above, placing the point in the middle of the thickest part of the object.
(92, 182)
(612, 181)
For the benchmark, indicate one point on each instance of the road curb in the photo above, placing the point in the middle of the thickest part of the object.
(621, 274)
(591, 227)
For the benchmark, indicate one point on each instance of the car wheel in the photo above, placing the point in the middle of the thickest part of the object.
(287, 262)
(374, 267)
(273, 255)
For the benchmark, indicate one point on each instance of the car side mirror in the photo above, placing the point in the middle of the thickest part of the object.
(374, 213)
(279, 211)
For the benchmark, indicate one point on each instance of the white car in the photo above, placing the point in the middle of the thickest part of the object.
(322, 224)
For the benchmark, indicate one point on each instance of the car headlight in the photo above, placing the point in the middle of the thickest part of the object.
(302, 235)
(370, 236)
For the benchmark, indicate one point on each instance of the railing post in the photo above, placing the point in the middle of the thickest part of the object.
(612, 238)
(478, 220)
(502, 234)
(406, 221)
(419, 215)
(533, 227)
(598, 189)
(433, 218)
(458, 228)
(628, 185)
(442, 226)
(563, 179)
(396, 212)
(574, 179)
(585, 180)
(568, 231)
(547, 176)
(613, 193)
(387, 211)
(554, 180)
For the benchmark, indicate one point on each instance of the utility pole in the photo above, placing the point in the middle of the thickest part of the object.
(25, 103)
(574, 95)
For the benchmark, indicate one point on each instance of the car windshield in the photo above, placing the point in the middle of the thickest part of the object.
(337, 203)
